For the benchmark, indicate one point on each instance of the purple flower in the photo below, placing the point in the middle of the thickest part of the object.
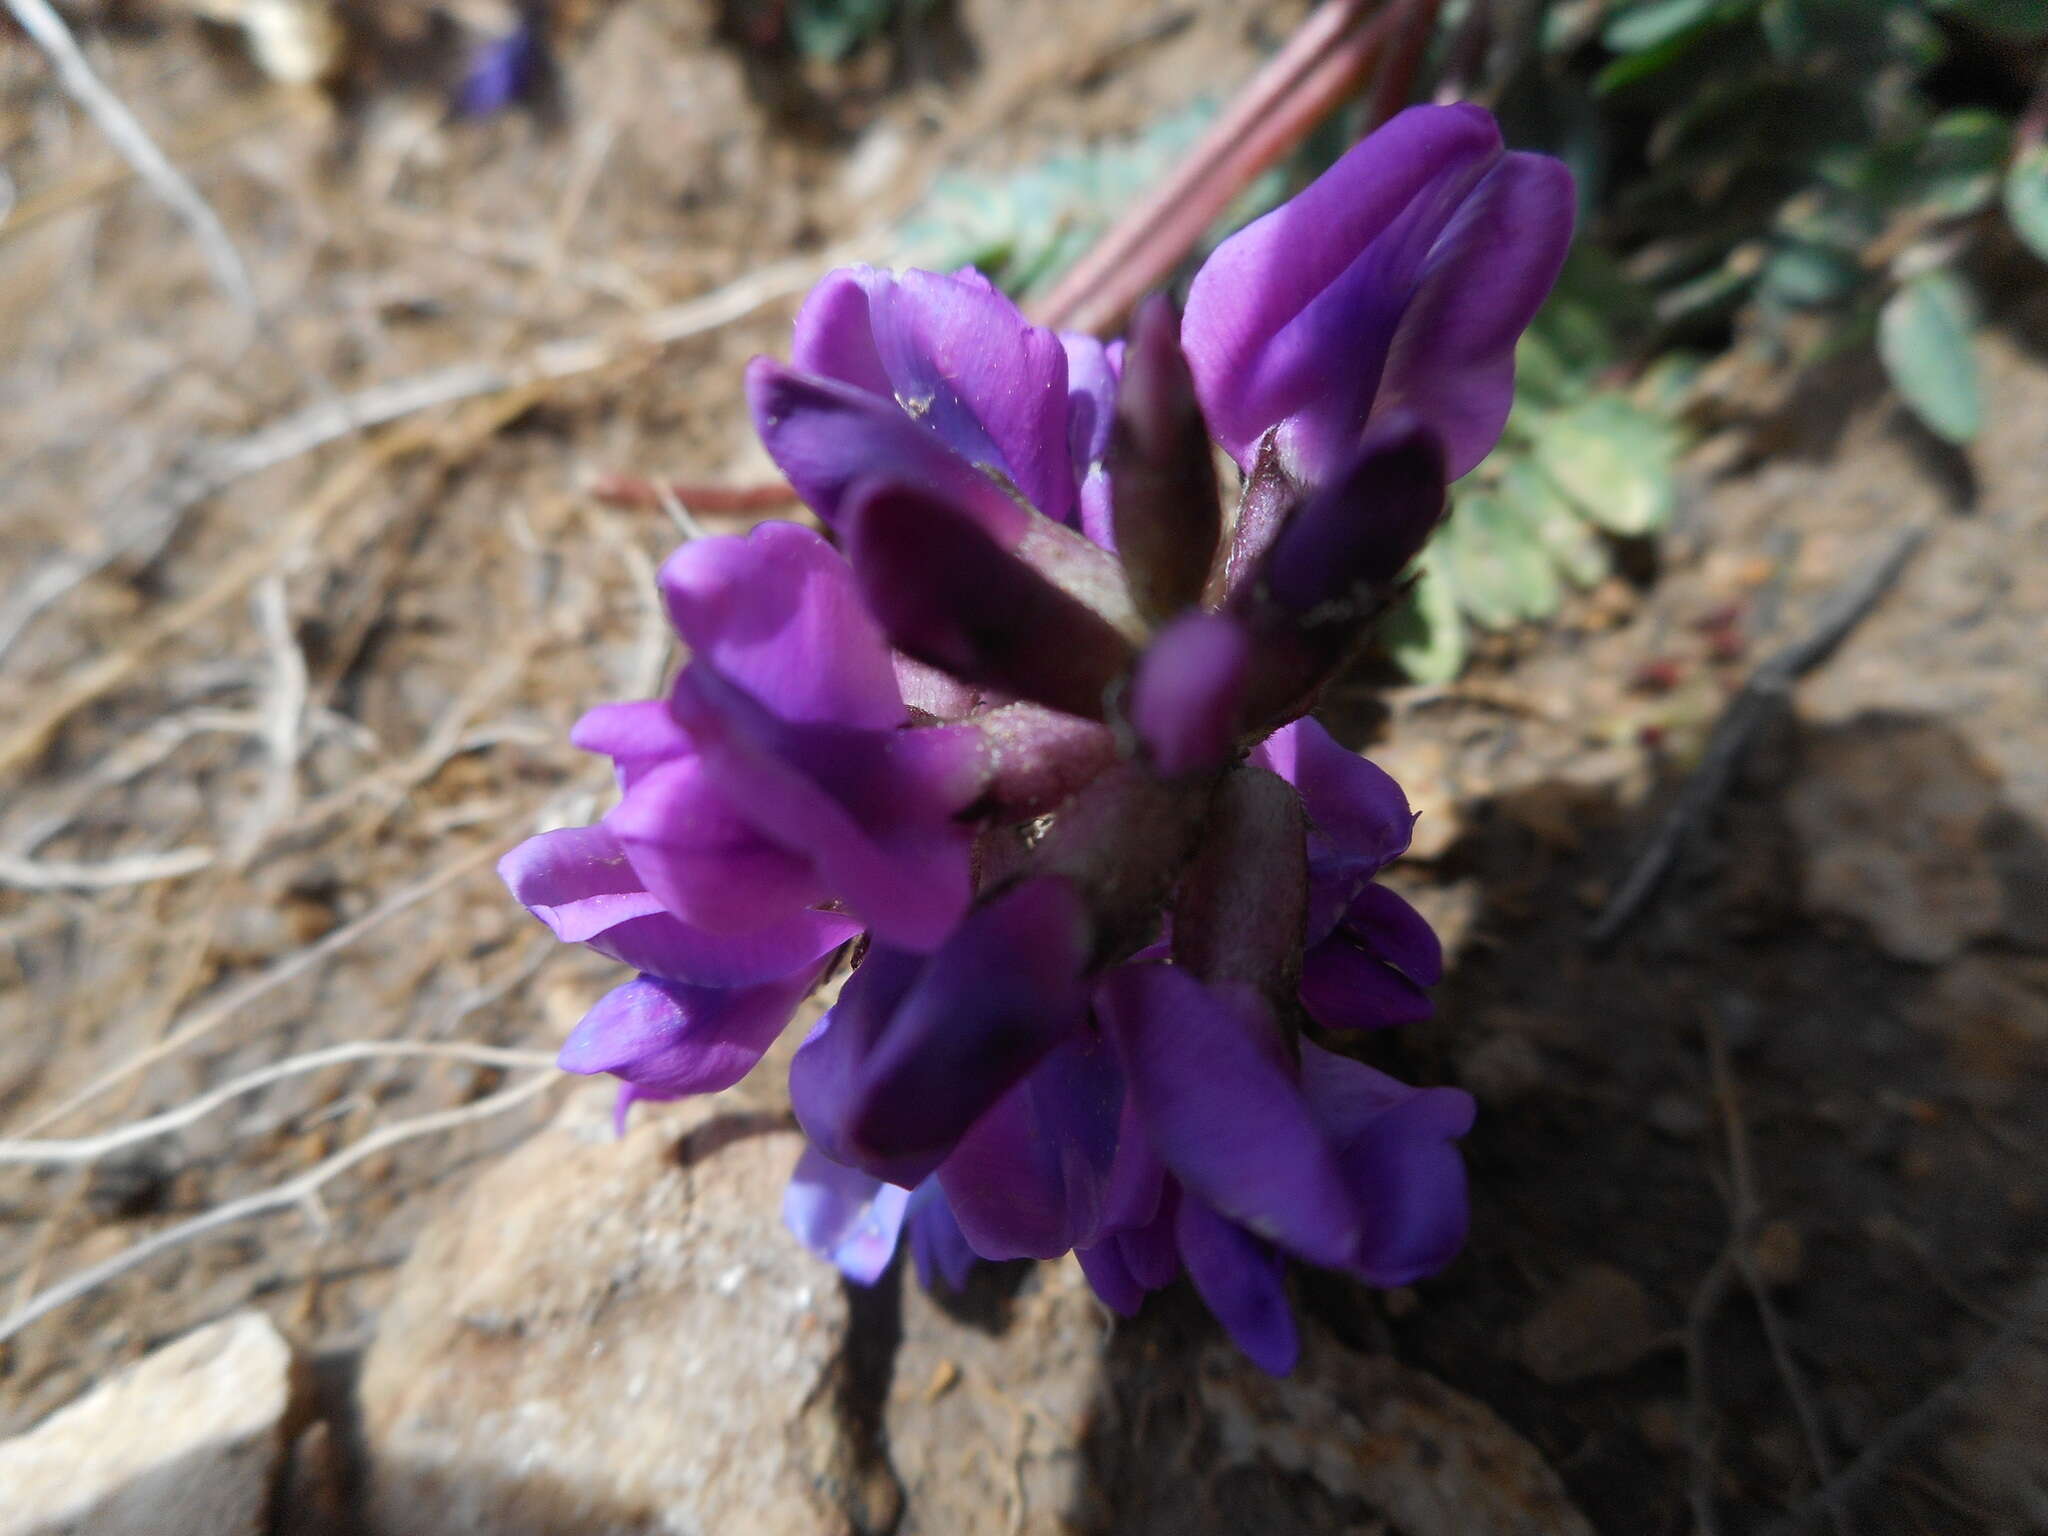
(1026, 737)
(1401, 277)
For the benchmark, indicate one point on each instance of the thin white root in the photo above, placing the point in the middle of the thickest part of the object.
(298, 1193)
(89, 1149)
(128, 136)
(67, 875)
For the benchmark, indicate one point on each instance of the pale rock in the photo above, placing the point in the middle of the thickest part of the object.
(617, 1336)
(188, 1441)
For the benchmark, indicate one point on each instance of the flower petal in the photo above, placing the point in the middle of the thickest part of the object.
(1452, 361)
(1031, 1179)
(1003, 992)
(1243, 1282)
(779, 613)
(844, 1216)
(1264, 276)
(1214, 1090)
(669, 1040)
(1343, 987)
(576, 880)
(825, 435)
(936, 1243)
(1188, 690)
(1355, 805)
(670, 950)
(1399, 1152)
(1167, 506)
(1384, 922)
(1110, 1278)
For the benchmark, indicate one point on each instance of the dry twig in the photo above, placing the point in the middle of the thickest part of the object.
(300, 1192)
(70, 875)
(1760, 699)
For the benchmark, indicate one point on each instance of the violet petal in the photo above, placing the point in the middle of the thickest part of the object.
(1243, 1282)
(1188, 690)
(845, 1217)
(670, 1040)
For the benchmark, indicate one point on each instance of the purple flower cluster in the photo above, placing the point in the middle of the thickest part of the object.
(1026, 736)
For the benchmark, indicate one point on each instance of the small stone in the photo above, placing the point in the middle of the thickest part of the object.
(1779, 1253)
(1662, 1424)
(1597, 1323)
(189, 1441)
(1502, 1069)
(562, 1353)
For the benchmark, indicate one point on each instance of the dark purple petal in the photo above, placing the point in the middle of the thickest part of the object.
(691, 845)
(1001, 993)
(1399, 1152)
(1384, 923)
(1150, 1252)
(1343, 987)
(1453, 358)
(1187, 692)
(1262, 279)
(778, 613)
(1110, 1278)
(1354, 804)
(1032, 1178)
(948, 595)
(576, 880)
(871, 812)
(936, 1243)
(668, 1041)
(1038, 756)
(1243, 1282)
(1167, 510)
(1219, 1101)
(1137, 1179)
(822, 1075)
(844, 1216)
(1342, 551)
(825, 435)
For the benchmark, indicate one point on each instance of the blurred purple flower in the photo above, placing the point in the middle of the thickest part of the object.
(1033, 741)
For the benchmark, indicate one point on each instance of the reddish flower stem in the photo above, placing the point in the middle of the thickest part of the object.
(645, 495)
(1277, 109)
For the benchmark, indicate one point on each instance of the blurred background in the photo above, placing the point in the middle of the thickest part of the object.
(352, 349)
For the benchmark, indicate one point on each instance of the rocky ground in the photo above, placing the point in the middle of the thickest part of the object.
(1757, 1185)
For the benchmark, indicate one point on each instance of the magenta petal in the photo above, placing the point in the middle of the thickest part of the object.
(669, 1040)
(1384, 922)
(670, 950)
(1453, 359)
(844, 1216)
(691, 846)
(1398, 1148)
(635, 736)
(1032, 1178)
(1267, 274)
(825, 435)
(835, 331)
(1214, 1089)
(778, 613)
(1187, 692)
(576, 880)
(1003, 992)
(1354, 804)
(1343, 987)
(1243, 1282)
(871, 812)
(967, 366)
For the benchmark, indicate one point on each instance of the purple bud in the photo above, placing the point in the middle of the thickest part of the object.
(947, 594)
(1188, 692)
(1162, 471)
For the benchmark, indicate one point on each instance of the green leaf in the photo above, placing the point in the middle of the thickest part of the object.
(1959, 162)
(1923, 335)
(1502, 575)
(2026, 199)
(1426, 635)
(2015, 18)
(1614, 461)
(1809, 276)
(1654, 23)
(1563, 534)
